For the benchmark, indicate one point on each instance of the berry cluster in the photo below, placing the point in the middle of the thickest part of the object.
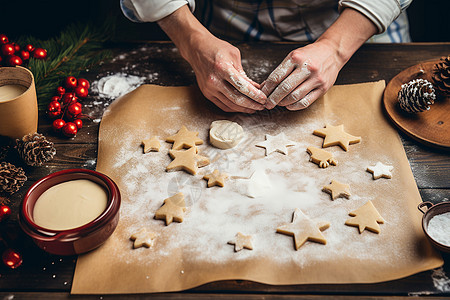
(65, 108)
(11, 54)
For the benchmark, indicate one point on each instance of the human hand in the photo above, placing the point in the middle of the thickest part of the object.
(303, 76)
(221, 78)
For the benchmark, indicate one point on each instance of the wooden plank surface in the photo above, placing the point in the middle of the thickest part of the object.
(47, 276)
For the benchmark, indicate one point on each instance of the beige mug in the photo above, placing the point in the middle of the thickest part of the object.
(18, 102)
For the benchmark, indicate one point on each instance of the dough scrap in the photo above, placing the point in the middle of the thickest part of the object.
(337, 189)
(335, 135)
(304, 229)
(216, 178)
(187, 160)
(366, 217)
(276, 143)
(143, 238)
(224, 134)
(151, 144)
(242, 241)
(184, 139)
(173, 209)
(321, 157)
(380, 170)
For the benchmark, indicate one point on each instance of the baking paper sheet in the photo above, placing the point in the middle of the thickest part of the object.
(194, 252)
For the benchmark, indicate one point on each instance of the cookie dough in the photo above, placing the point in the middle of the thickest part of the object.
(224, 134)
(321, 157)
(184, 139)
(187, 160)
(151, 144)
(335, 135)
(380, 170)
(337, 189)
(242, 241)
(304, 229)
(143, 238)
(173, 209)
(366, 217)
(276, 143)
(216, 178)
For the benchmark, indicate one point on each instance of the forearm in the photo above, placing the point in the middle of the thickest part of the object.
(347, 34)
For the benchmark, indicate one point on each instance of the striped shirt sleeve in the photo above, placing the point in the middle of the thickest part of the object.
(152, 10)
(381, 12)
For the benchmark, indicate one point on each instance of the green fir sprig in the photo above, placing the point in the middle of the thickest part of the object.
(77, 48)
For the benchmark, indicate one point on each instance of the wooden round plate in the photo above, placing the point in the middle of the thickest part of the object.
(430, 127)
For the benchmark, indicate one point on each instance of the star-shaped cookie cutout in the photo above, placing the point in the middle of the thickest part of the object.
(173, 209)
(335, 135)
(216, 178)
(276, 143)
(184, 139)
(304, 229)
(366, 217)
(143, 238)
(187, 160)
(337, 189)
(242, 241)
(321, 157)
(380, 170)
(151, 144)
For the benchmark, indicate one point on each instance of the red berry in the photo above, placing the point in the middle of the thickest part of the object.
(1, 58)
(54, 106)
(5, 212)
(58, 124)
(70, 129)
(68, 98)
(60, 90)
(55, 98)
(14, 60)
(54, 114)
(16, 47)
(11, 258)
(8, 49)
(70, 82)
(29, 48)
(3, 39)
(81, 91)
(79, 123)
(83, 82)
(25, 55)
(40, 53)
(74, 110)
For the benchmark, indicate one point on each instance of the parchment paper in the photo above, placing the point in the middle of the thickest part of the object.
(195, 252)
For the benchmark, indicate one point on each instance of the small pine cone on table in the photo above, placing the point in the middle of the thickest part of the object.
(35, 149)
(11, 177)
(416, 96)
(441, 76)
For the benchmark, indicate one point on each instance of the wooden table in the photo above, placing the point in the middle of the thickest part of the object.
(44, 276)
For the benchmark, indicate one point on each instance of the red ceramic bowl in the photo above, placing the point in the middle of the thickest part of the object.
(428, 213)
(77, 240)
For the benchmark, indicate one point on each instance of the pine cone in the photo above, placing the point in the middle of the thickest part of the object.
(11, 177)
(5, 144)
(441, 76)
(35, 149)
(416, 96)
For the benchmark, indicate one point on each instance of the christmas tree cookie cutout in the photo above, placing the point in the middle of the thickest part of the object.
(187, 160)
(242, 241)
(143, 238)
(304, 229)
(337, 189)
(216, 178)
(276, 143)
(335, 135)
(184, 139)
(366, 217)
(151, 144)
(380, 170)
(321, 157)
(173, 209)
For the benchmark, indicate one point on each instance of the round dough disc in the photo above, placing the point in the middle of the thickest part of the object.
(225, 134)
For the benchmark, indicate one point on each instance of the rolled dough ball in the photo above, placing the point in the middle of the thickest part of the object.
(225, 134)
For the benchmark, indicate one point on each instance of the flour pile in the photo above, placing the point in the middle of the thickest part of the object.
(116, 85)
